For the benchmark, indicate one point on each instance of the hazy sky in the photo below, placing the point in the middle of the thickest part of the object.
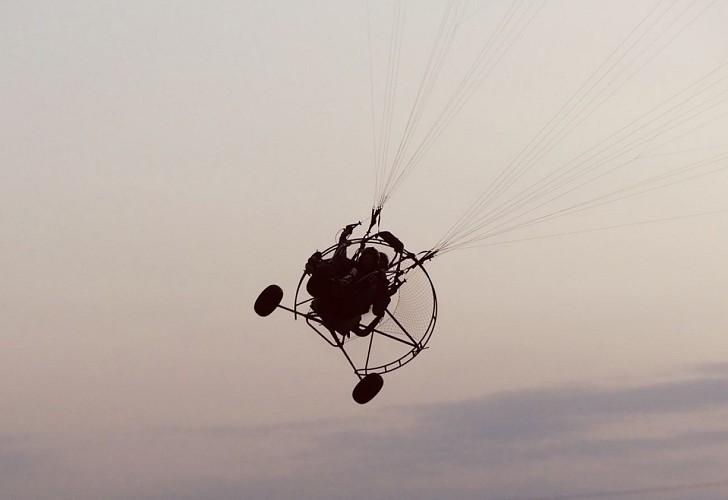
(162, 162)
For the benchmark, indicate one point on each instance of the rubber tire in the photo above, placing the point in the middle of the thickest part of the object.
(367, 388)
(268, 300)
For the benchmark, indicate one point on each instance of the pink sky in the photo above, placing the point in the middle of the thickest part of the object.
(163, 162)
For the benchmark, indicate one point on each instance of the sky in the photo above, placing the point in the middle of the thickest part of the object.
(162, 162)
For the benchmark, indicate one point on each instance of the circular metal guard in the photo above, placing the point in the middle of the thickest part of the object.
(407, 324)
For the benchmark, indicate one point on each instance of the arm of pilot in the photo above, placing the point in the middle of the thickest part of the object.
(344, 240)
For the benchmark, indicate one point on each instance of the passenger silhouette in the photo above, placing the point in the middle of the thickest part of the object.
(344, 289)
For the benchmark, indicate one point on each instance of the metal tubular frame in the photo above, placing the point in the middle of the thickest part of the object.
(314, 321)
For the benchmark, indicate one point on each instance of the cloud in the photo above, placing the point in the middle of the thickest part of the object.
(713, 369)
(540, 413)
(552, 441)
(17, 455)
(510, 444)
(535, 423)
(23, 463)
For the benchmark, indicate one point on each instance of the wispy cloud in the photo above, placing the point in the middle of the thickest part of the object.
(558, 442)
(554, 439)
(511, 434)
(713, 368)
(18, 455)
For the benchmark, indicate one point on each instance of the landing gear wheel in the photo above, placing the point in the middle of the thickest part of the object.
(268, 300)
(367, 388)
